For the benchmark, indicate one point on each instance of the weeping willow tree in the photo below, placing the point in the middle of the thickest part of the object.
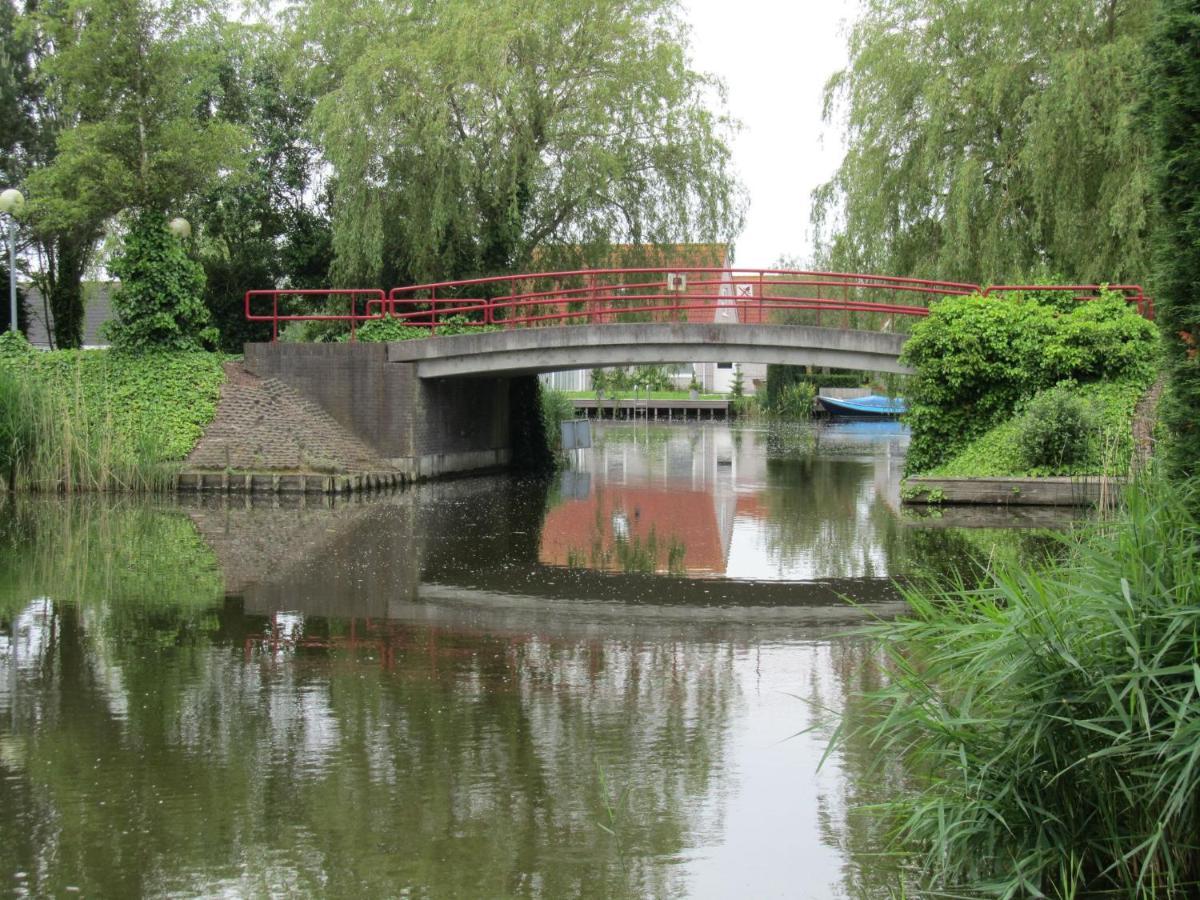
(991, 140)
(473, 136)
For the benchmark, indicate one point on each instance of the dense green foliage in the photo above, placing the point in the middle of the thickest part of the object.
(159, 304)
(1056, 430)
(438, 140)
(465, 136)
(988, 141)
(1105, 446)
(977, 359)
(266, 224)
(116, 112)
(99, 420)
(1173, 58)
(389, 329)
(795, 401)
(1053, 716)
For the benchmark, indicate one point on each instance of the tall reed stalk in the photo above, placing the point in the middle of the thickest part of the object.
(1051, 717)
(51, 441)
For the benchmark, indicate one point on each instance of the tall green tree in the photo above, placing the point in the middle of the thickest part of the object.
(466, 136)
(133, 81)
(1174, 88)
(31, 118)
(136, 77)
(267, 225)
(990, 140)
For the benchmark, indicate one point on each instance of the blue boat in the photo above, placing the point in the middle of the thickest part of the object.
(872, 407)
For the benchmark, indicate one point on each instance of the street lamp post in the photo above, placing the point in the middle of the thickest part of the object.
(11, 202)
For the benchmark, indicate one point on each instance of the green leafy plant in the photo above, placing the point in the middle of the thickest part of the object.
(160, 303)
(796, 401)
(390, 329)
(977, 359)
(1057, 431)
(101, 420)
(1053, 716)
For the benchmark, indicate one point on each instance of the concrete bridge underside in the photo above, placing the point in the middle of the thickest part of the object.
(454, 404)
(528, 350)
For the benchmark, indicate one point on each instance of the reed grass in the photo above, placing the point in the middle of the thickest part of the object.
(1051, 716)
(53, 439)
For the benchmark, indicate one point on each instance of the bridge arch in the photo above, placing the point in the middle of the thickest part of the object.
(530, 350)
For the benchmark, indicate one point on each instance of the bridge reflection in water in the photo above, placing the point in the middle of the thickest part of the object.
(421, 692)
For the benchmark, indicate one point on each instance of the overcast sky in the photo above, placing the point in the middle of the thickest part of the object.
(775, 57)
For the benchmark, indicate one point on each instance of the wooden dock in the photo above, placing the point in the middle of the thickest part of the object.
(653, 410)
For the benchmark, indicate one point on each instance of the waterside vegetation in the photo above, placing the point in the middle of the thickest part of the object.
(982, 362)
(98, 420)
(1049, 718)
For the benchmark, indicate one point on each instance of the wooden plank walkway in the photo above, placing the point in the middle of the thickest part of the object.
(654, 410)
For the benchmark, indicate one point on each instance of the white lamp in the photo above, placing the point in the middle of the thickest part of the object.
(180, 227)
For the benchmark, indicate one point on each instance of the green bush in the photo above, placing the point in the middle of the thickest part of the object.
(160, 303)
(103, 420)
(381, 330)
(977, 359)
(796, 401)
(1051, 717)
(998, 451)
(1057, 430)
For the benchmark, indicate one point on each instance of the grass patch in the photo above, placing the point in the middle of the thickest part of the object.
(998, 451)
(101, 420)
(1050, 718)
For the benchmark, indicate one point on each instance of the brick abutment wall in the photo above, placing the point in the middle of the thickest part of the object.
(423, 429)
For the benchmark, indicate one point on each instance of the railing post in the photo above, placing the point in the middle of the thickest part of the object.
(761, 319)
(353, 310)
(433, 311)
(274, 317)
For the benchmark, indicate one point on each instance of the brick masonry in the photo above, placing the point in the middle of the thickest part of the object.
(421, 428)
(264, 426)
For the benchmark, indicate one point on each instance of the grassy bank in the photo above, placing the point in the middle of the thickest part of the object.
(1050, 719)
(1069, 430)
(99, 420)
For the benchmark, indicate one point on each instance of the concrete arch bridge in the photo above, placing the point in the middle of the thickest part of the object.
(442, 404)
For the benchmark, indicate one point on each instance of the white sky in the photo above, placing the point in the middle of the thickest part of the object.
(775, 57)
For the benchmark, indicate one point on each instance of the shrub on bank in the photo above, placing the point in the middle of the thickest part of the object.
(1051, 717)
(381, 330)
(101, 420)
(1065, 430)
(978, 359)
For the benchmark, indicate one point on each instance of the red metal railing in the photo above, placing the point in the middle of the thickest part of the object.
(694, 294)
(371, 299)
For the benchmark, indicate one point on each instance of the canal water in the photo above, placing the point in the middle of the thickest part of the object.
(620, 682)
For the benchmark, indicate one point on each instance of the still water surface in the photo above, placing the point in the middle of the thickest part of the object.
(613, 684)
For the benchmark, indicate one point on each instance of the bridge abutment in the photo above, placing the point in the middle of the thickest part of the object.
(422, 427)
